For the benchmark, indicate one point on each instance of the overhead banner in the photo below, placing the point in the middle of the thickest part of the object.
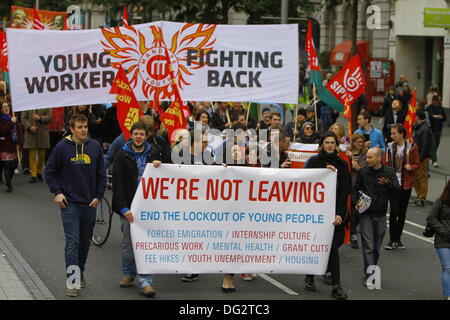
(233, 220)
(22, 17)
(210, 62)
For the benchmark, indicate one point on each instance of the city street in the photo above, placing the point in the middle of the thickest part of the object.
(31, 222)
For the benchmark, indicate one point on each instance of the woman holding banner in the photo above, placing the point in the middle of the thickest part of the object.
(11, 140)
(328, 158)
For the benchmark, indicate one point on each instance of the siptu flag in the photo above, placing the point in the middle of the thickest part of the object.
(315, 76)
(37, 23)
(3, 52)
(125, 16)
(349, 83)
(128, 110)
(411, 116)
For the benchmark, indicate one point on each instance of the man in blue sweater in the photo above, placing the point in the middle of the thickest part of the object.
(75, 174)
(366, 128)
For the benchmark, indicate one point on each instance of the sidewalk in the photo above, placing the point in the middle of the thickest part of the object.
(18, 281)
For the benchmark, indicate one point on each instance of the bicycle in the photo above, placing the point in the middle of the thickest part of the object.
(103, 222)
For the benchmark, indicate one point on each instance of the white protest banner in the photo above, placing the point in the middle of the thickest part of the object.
(233, 220)
(211, 63)
(299, 153)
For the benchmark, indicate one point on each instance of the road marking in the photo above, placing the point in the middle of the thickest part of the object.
(411, 223)
(430, 240)
(277, 284)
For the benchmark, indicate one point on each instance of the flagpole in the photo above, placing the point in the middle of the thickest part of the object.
(248, 111)
(4, 73)
(296, 122)
(315, 107)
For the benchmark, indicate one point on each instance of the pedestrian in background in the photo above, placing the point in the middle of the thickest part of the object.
(437, 117)
(403, 157)
(37, 139)
(11, 140)
(439, 220)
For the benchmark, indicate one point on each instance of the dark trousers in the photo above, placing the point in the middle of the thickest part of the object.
(373, 230)
(437, 140)
(397, 216)
(354, 220)
(333, 261)
(7, 167)
(78, 222)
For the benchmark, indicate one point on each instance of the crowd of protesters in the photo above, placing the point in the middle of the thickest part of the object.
(380, 165)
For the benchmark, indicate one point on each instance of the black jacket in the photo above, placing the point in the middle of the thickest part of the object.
(161, 146)
(344, 183)
(439, 220)
(218, 121)
(436, 124)
(124, 178)
(423, 137)
(366, 181)
(389, 122)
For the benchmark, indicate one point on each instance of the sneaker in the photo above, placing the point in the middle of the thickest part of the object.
(309, 284)
(418, 203)
(148, 291)
(246, 277)
(39, 177)
(327, 279)
(83, 282)
(390, 246)
(400, 246)
(338, 294)
(32, 180)
(72, 292)
(126, 282)
(189, 277)
(435, 164)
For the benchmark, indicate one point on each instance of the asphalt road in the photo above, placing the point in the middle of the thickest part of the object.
(32, 223)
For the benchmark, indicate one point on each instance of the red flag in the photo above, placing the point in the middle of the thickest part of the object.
(3, 52)
(125, 16)
(37, 23)
(411, 116)
(313, 61)
(349, 83)
(174, 117)
(128, 110)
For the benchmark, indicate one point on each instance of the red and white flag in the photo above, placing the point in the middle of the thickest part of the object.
(313, 61)
(37, 23)
(411, 117)
(349, 83)
(3, 52)
(125, 16)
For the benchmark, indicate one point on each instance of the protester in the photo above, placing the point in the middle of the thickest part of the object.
(56, 127)
(275, 121)
(110, 126)
(377, 182)
(37, 139)
(439, 220)
(202, 120)
(328, 158)
(311, 117)
(403, 157)
(265, 122)
(98, 110)
(290, 128)
(393, 115)
(423, 137)
(357, 155)
(219, 119)
(405, 96)
(339, 130)
(129, 166)
(308, 135)
(75, 174)
(433, 91)
(375, 137)
(437, 116)
(86, 111)
(387, 102)
(399, 84)
(11, 140)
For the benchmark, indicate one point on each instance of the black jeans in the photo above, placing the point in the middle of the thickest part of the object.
(333, 261)
(8, 167)
(399, 205)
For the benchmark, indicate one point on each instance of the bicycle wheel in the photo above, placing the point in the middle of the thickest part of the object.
(103, 221)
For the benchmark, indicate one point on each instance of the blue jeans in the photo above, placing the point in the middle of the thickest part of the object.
(128, 263)
(444, 256)
(78, 222)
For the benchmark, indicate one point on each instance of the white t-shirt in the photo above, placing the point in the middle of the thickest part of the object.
(399, 162)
